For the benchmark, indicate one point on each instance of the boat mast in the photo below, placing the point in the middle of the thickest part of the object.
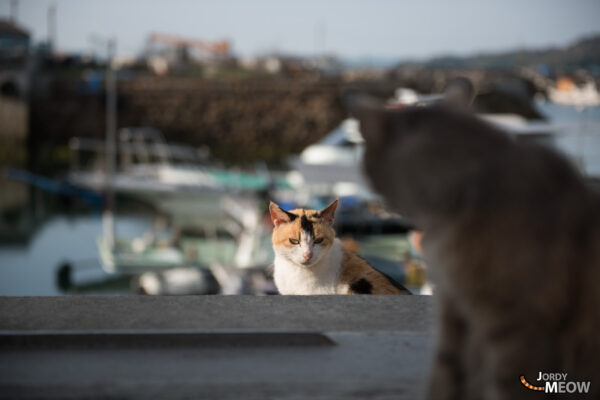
(110, 153)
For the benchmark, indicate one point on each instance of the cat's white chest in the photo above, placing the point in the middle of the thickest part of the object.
(321, 278)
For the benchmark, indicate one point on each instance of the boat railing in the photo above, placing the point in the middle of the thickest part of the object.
(137, 146)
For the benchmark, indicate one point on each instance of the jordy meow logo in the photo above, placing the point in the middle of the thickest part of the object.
(556, 383)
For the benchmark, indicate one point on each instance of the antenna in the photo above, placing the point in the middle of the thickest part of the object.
(14, 7)
(52, 27)
(320, 32)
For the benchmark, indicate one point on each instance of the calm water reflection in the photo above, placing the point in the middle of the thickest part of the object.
(31, 270)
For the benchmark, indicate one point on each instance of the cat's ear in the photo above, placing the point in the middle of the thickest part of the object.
(329, 212)
(279, 215)
(459, 93)
(374, 120)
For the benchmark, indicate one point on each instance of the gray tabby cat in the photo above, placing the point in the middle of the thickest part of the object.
(512, 238)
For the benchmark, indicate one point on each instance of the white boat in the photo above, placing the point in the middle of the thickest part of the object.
(221, 206)
(238, 241)
(567, 93)
(333, 166)
(178, 180)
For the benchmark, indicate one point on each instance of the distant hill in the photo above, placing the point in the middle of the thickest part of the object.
(584, 53)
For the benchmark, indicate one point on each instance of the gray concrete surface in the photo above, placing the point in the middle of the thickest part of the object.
(381, 351)
(321, 313)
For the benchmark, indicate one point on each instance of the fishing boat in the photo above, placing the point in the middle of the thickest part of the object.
(171, 177)
(566, 92)
(209, 218)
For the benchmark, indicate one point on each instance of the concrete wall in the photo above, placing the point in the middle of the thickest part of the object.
(215, 347)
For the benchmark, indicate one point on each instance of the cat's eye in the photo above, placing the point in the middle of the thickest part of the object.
(294, 241)
(318, 240)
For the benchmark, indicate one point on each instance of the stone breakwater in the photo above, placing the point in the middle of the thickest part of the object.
(240, 121)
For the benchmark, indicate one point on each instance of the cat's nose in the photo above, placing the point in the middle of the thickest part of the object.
(307, 256)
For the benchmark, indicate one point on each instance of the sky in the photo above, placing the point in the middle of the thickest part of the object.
(351, 29)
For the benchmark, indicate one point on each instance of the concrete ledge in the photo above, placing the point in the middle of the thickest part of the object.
(113, 347)
(308, 313)
(142, 339)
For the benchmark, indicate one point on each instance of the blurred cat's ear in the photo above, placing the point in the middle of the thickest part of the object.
(279, 215)
(373, 118)
(459, 93)
(329, 212)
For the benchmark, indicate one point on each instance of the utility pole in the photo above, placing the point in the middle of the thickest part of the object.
(14, 7)
(110, 150)
(51, 21)
(320, 33)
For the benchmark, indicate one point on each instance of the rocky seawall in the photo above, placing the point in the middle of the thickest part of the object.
(240, 122)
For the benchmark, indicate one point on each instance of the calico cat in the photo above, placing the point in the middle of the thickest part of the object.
(310, 260)
(512, 239)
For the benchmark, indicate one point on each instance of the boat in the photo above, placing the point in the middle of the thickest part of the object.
(566, 92)
(332, 166)
(177, 180)
(210, 217)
